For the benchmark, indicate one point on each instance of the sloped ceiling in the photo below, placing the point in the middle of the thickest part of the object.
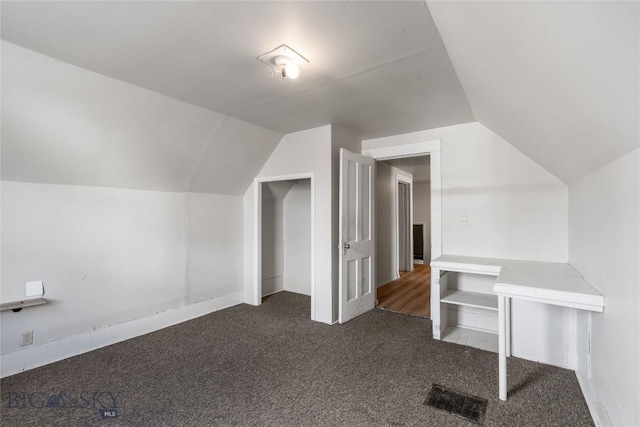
(237, 151)
(174, 98)
(558, 80)
(64, 125)
(367, 60)
(169, 96)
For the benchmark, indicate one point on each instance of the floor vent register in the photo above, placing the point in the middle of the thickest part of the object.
(469, 407)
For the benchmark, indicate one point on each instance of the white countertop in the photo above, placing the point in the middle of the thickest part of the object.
(547, 282)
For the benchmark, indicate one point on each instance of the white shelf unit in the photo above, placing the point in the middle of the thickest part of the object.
(481, 303)
(470, 299)
(543, 282)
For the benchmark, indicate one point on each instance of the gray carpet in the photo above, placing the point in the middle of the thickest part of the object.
(272, 366)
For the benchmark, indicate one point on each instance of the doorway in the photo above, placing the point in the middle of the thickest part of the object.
(284, 237)
(407, 289)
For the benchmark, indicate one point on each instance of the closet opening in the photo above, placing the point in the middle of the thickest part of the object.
(285, 250)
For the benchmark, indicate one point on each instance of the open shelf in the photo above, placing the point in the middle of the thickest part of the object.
(477, 339)
(470, 299)
(18, 305)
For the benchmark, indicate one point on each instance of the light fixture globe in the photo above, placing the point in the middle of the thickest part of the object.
(284, 62)
(287, 68)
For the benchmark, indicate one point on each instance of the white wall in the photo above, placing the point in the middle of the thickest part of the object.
(109, 257)
(272, 246)
(273, 252)
(421, 209)
(515, 210)
(604, 246)
(302, 152)
(297, 238)
(214, 247)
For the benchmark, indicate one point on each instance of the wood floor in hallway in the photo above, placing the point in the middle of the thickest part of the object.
(410, 294)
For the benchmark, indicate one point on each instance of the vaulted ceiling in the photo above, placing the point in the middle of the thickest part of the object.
(558, 80)
(174, 98)
(376, 67)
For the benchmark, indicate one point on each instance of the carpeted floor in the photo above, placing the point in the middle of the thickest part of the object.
(272, 366)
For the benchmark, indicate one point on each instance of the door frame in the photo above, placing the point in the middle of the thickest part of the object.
(431, 148)
(401, 177)
(257, 234)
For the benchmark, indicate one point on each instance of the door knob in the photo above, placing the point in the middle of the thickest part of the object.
(344, 247)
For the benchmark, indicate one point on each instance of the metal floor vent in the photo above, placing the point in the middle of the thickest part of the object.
(468, 407)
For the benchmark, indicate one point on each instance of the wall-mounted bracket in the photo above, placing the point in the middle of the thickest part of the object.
(19, 305)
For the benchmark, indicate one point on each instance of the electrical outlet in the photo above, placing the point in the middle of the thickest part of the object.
(27, 338)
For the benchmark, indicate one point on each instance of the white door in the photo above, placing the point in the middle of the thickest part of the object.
(357, 292)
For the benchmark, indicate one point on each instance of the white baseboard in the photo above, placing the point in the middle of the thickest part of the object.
(40, 355)
(272, 285)
(596, 408)
(297, 285)
(384, 282)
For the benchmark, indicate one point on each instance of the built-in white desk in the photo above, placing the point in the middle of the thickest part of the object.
(545, 282)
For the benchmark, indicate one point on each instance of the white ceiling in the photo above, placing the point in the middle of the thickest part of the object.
(558, 80)
(377, 68)
(197, 111)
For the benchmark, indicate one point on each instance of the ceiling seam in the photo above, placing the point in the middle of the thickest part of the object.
(242, 110)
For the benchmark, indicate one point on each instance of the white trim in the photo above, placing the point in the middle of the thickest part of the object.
(596, 408)
(432, 149)
(401, 177)
(589, 326)
(256, 290)
(572, 344)
(404, 150)
(290, 177)
(53, 351)
(436, 204)
(256, 296)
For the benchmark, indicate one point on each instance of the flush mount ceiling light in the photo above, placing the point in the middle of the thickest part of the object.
(284, 62)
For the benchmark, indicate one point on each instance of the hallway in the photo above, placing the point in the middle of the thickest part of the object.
(410, 294)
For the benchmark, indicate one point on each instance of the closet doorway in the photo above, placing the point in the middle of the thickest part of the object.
(284, 246)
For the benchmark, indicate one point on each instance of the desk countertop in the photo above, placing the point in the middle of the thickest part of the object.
(547, 282)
